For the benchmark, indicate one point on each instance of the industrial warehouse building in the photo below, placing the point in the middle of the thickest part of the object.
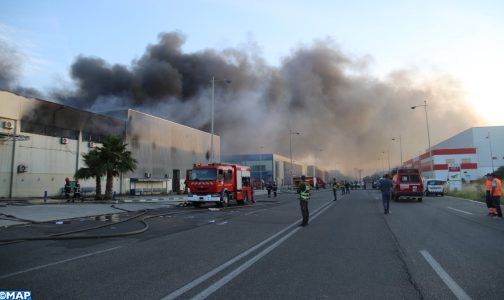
(41, 143)
(466, 156)
(274, 167)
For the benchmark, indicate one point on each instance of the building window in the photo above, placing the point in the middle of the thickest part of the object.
(90, 137)
(35, 128)
(258, 168)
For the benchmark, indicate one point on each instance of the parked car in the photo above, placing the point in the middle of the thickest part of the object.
(407, 184)
(434, 187)
(376, 184)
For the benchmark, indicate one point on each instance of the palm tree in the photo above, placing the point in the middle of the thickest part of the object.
(115, 159)
(95, 168)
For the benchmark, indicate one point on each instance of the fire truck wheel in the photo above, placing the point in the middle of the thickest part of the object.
(224, 199)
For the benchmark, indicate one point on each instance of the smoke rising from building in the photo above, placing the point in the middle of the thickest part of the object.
(10, 63)
(346, 117)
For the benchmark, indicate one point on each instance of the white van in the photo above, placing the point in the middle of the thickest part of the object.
(434, 187)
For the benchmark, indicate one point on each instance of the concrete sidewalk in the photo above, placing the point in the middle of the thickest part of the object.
(25, 211)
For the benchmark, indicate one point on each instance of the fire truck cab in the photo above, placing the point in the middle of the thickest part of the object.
(220, 184)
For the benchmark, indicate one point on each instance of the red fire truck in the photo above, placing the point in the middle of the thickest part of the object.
(220, 184)
(321, 183)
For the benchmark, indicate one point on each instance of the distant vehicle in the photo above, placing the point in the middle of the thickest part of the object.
(376, 184)
(220, 184)
(407, 183)
(434, 187)
(321, 183)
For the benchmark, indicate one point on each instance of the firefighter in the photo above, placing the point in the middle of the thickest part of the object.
(67, 189)
(275, 188)
(269, 188)
(342, 188)
(304, 197)
(76, 190)
(496, 193)
(335, 189)
(488, 196)
(347, 187)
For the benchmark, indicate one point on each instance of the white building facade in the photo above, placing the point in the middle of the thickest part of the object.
(41, 143)
(472, 153)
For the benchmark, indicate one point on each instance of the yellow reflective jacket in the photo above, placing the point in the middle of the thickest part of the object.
(304, 194)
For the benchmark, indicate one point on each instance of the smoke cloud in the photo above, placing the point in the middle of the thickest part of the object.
(346, 118)
(10, 62)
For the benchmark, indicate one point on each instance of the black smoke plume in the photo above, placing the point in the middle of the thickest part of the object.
(346, 117)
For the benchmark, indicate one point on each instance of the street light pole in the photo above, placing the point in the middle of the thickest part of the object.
(212, 130)
(400, 146)
(491, 153)
(428, 132)
(388, 159)
(290, 150)
(212, 116)
(260, 169)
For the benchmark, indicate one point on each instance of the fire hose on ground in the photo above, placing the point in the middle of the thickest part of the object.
(63, 235)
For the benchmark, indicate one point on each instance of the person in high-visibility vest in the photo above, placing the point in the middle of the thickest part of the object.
(304, 197)
(335, 189)
(488, 197)
(496, 193)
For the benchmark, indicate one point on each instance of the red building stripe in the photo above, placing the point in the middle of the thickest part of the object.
(441, 167)
(469, 166)
(454, 151)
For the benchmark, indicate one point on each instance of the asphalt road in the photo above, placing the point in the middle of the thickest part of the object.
(441, 248)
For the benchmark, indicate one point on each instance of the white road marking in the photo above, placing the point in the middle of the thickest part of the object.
(452, 285)
(475, 201)
(224, 280)
(465, 212)
(58, 262)
(211, 273)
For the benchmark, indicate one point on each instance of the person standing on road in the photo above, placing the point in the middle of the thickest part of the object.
(488, 196)
(304, 197)
(496, 193)
(385, 188)
(347, 187)
(77, 191)
(269, 188)
(335, 189)
(68, 189)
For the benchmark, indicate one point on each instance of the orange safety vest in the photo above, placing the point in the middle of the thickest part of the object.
(489, 185)
(498, 190)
